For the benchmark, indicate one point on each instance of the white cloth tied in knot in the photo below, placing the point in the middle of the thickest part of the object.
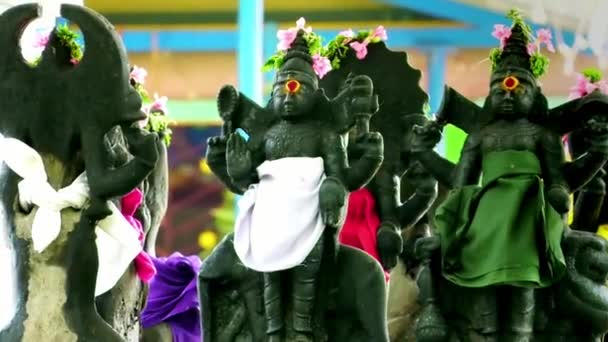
(117, 242)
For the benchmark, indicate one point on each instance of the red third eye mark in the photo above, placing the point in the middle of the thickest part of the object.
(510, 83)
(292, 86)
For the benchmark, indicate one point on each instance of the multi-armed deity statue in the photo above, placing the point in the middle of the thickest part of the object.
(290, 161)
(75, 163)
(507, 267)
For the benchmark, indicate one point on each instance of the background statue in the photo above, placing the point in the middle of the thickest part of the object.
(386, 216)
(70, 122)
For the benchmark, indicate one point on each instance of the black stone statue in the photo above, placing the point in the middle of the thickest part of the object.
(81, 119)
(261, 284)
(400, 109)
(504, 266)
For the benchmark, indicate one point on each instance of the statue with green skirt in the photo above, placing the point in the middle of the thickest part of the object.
(503, 248)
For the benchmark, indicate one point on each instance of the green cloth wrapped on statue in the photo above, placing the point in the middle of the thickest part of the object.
(503, 232)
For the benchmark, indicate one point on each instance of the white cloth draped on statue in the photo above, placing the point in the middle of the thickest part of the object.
(279, 222)
(117, 242)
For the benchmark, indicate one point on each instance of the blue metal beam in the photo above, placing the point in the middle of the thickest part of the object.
(437, 69)
(452, 10)
(480, 20)
(250, 47)
(227, 40)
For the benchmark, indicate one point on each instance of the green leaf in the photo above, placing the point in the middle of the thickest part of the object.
(495, 57)
(539, 64)
(592, 74)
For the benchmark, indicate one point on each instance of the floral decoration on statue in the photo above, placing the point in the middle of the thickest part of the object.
(538, 62)
(587, 82)
(155, 107)
(321, 64)
(337, 48)
(325, 58)
(66, 37)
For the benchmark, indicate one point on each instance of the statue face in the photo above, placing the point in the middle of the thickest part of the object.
(512, 96)
(293, 95)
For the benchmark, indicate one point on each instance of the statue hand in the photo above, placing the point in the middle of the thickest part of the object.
(142, 144)
(332, 202)
(219, 141)
(425, 137)
(598, 135)
(420, 179)
(372, 144)
(559, 198)
(390, 245)
(425, 247)
(590, 253)
(238, 157)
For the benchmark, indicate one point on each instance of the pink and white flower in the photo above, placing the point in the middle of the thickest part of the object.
(502, 33)
(321, 65)
(159, 104)
(360, 48)
(582, 87)
(138, 74)
(286, 37)
(543, 36)
(42, 39)
(380, 33)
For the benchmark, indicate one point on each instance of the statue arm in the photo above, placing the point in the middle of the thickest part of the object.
(439, 167)
(361, 171)
(216, 159)
(418, 204)
(580, 171)
(468, 169)
(552, 160)
(106, 182)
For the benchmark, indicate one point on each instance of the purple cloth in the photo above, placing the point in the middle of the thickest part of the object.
(173, 297)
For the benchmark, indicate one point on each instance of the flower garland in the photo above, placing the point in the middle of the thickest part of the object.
(155, 108)
(538, 63)
(328, 57)
(286, 38)
(587, 82)
(337, 48)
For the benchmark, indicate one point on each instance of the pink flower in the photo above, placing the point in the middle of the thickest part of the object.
(138, 74)
(360, 48)
(543, 36)
(347, 34)
(74, 61)
(582, 87)
(603, 86)
(159, 104)
(300, 25)
(41, 39)
(502, 33)
(321, 65)
(380, 32)
(286, 38)
(532, 48)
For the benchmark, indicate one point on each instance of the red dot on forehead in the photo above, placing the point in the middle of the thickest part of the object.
(293, 85)
(510, 82)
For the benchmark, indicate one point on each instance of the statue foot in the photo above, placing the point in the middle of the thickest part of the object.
(301, 337)
(276, 336)
(518, 337)
(431, 326)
